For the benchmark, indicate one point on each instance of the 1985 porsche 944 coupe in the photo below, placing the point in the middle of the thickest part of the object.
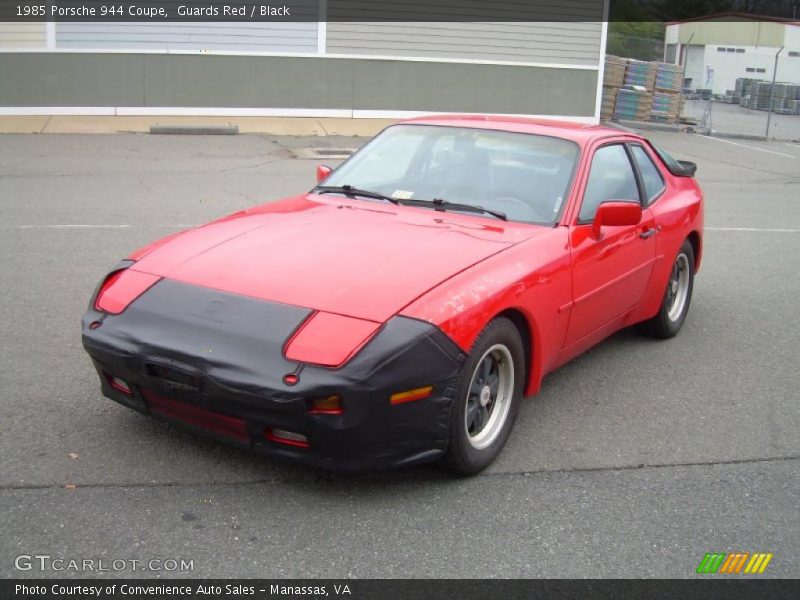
(400, 311)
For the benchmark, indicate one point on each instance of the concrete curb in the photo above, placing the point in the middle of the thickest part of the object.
(648, 126)
(195, 129)
(735, 136)
(283, 126)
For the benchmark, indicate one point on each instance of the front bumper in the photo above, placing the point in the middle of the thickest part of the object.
(213, 362)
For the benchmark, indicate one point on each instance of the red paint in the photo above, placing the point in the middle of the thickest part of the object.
(360, 262)
(572, 289)
(357, 258)
(122, 288)
(329, 340)
(218, 423)
(322, 172)
(615, 214)
(609, 275)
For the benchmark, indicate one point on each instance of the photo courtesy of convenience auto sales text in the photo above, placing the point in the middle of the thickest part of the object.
(187, 590)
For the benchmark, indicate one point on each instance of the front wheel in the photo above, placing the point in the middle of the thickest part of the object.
(487, 399)
(677, 297)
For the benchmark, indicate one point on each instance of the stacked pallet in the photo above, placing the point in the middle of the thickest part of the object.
(743, 85)
(641, 91)
(666, 107)
(760, 92)
(786, 91)
(641, 73)
(669, 78)
(614, 71)
(785, 97)
(634, 103)
(793, 107)
(613, 79)
(608, 102)
(731, 97)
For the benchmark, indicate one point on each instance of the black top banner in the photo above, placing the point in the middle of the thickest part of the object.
(277, 11)
(390, 589)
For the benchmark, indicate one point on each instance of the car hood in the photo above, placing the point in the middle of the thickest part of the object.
(349, 257)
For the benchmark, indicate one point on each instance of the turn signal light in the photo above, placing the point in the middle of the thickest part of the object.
(290, 438)
(329, 405)
(411, 395)
(119, 384)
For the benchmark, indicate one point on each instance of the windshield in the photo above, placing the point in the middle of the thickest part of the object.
(524, 176)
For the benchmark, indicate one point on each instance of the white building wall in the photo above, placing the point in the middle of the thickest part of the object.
(694, 57)
(724, 67)
(792, 37)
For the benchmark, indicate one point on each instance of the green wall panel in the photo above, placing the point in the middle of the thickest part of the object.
(85, 79)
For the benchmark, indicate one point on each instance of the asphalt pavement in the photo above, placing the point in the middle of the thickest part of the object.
(738, 120)
(634, 460)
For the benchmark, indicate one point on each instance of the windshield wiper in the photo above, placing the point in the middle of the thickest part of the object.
(349, 190)
(438, 203)
(442, 204)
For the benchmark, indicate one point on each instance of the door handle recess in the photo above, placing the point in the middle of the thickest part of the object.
(648, 233)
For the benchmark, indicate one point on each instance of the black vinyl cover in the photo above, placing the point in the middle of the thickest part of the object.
(224, 353)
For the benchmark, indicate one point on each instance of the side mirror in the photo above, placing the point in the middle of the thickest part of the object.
(615, 213)
(322, 172)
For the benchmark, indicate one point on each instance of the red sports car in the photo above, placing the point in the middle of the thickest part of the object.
(400, 311)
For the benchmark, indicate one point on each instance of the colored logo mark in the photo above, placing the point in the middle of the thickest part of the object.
(735, 562)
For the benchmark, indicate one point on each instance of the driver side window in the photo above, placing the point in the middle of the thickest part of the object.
(611, 177)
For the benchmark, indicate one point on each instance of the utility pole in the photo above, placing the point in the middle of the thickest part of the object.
(682, 56)
(772, 92)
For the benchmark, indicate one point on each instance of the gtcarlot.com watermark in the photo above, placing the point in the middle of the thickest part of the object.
(46, 562)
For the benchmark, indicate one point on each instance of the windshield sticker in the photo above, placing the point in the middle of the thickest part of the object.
(402, 194)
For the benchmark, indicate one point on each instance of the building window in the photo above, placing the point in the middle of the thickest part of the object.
(720, 49)
(750, 70)
(740, 51)
(731, 49)
(761, 70)
(794, 53)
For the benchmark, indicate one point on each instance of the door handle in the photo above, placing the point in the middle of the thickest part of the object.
(649, 232)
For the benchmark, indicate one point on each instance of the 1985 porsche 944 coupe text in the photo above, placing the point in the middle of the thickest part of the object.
(400, 311)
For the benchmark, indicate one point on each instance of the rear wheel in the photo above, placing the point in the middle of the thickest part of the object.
(487, 399)
(677, 297)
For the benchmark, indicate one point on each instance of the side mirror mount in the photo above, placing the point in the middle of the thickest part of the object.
(322, 172)
(615, 213)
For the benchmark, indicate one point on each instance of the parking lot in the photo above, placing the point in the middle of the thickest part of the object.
(634, 460)
(732, 119)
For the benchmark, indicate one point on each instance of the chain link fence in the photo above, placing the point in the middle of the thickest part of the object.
(635, 46)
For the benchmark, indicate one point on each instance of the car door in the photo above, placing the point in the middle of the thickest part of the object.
(609, 273)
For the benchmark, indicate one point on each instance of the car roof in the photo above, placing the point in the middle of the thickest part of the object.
(581, 133)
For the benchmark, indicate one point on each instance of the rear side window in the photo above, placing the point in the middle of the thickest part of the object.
(610, 178)
(651, 177)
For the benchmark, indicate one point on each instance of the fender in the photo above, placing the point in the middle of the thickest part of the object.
(533, 278)
(679, 215)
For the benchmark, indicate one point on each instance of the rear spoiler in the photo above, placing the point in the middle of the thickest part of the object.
(679, 168)
(684, 168)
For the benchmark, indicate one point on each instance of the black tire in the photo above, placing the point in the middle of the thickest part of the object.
(497, 343)
(664, 325)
